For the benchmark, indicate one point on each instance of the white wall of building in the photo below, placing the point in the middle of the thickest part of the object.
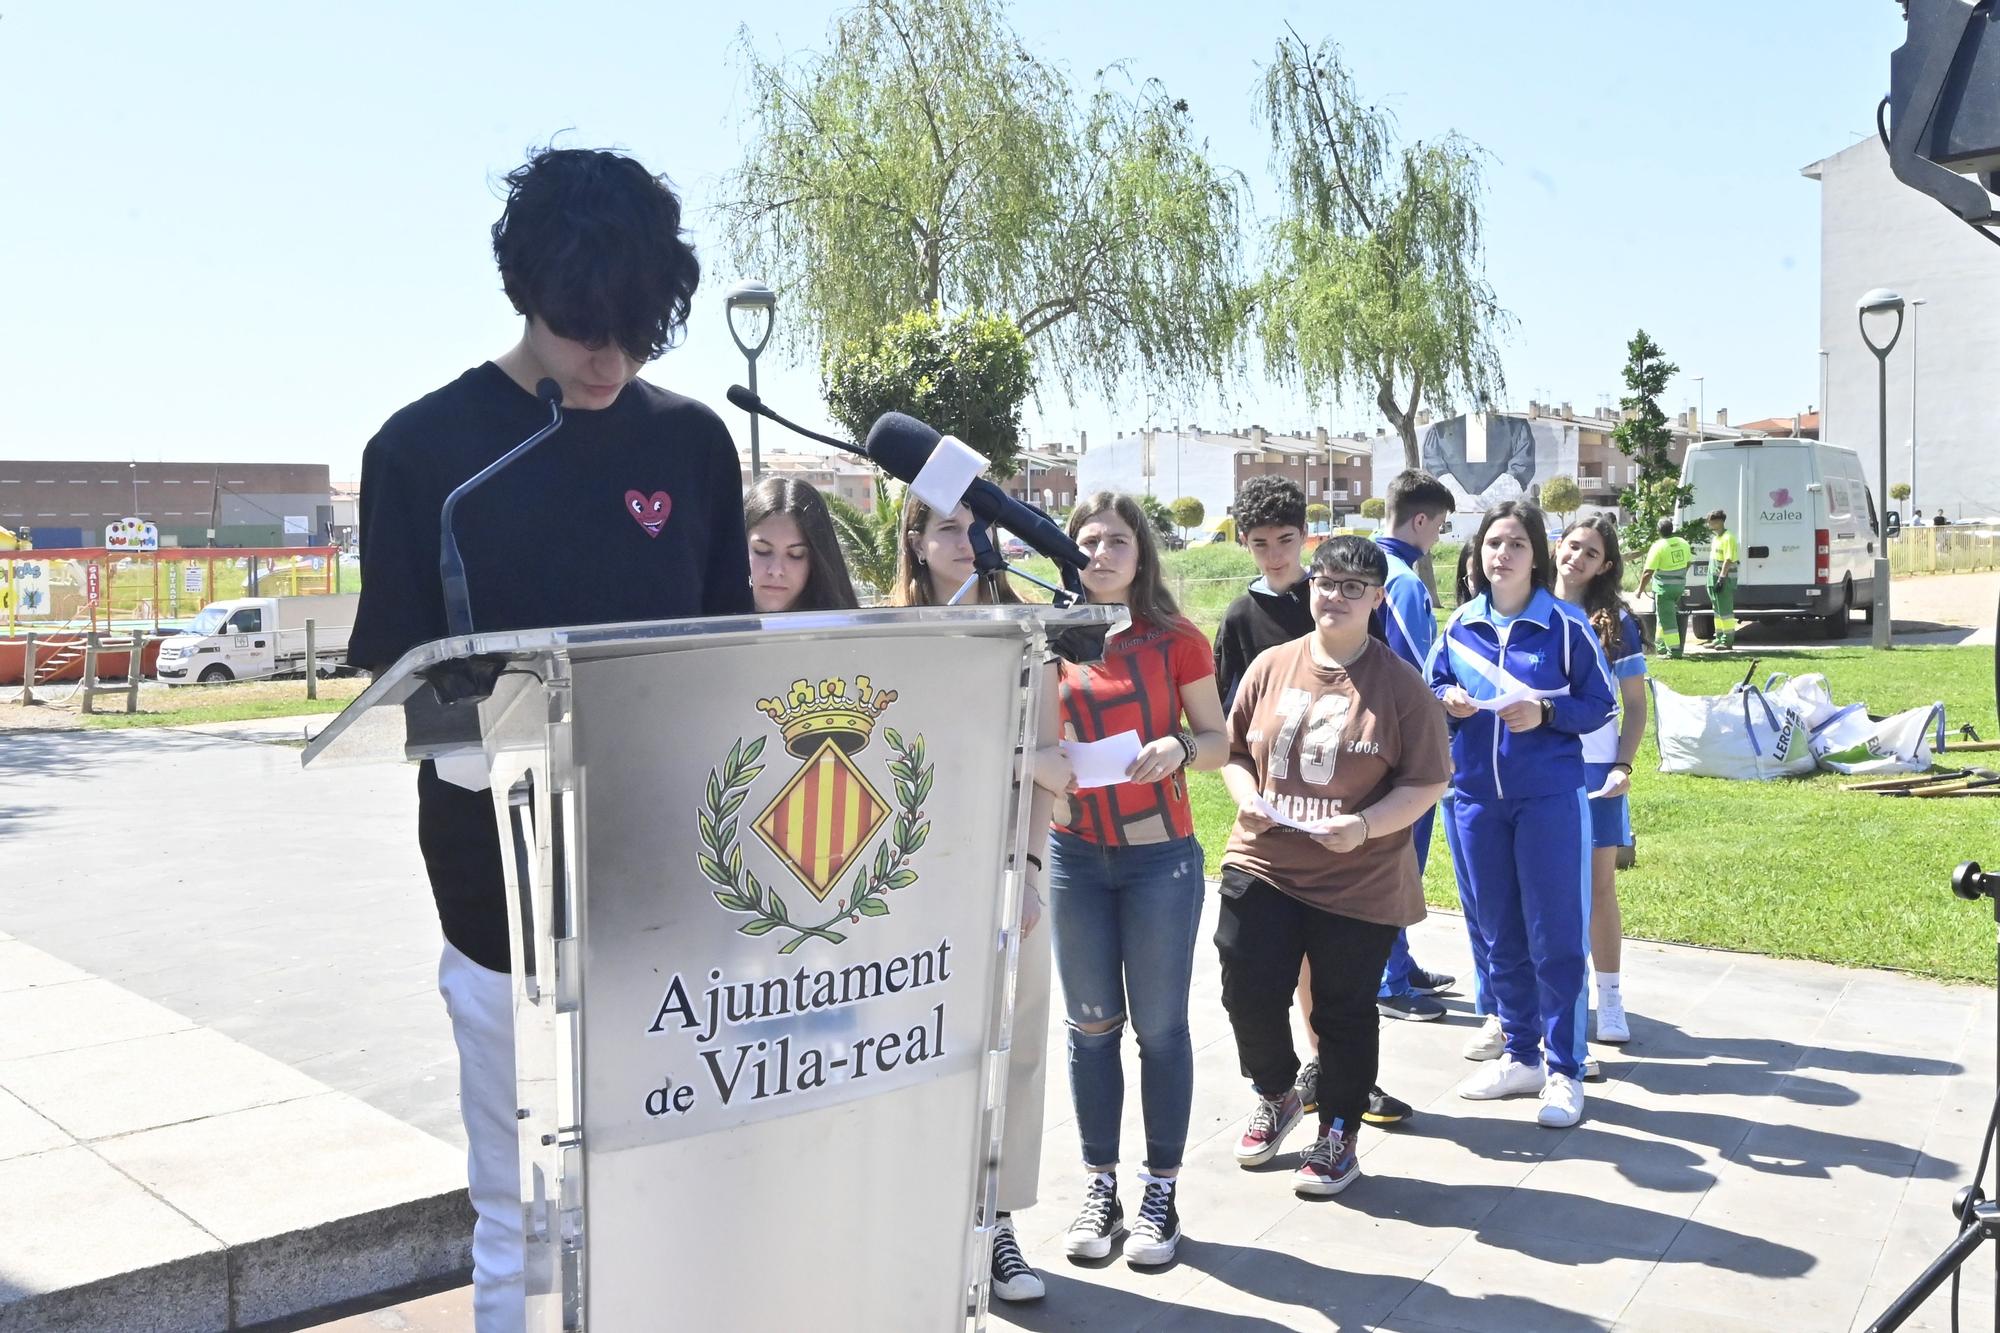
(1877, 232)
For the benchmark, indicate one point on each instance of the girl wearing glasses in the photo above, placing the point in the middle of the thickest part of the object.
(1524, 680)
(1335, 748)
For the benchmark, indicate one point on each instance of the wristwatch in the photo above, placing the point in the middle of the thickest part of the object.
(1548, 711)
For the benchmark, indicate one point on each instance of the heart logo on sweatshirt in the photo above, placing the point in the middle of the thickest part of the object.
(649, 511)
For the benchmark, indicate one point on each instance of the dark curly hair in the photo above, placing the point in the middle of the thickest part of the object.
(1267, 502)
(591, 243)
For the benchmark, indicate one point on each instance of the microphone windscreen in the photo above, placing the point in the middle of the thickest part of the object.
(549, 392)
(743, 398)
(901, 444)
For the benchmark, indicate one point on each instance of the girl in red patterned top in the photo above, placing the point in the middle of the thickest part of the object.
(1125, 878)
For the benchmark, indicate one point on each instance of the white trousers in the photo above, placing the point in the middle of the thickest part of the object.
(481, 1004)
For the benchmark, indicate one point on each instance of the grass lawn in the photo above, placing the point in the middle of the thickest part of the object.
(1798, 868)
(239, 702)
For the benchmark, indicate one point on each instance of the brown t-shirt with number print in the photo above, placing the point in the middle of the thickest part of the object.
(1329, 740)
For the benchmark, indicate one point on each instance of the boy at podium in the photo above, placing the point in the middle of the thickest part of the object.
(633, 510)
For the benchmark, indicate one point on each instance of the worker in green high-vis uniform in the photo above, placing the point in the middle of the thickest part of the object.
(1723, 561)
(1665, 573)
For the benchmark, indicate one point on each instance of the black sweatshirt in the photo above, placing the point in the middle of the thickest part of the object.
(1257, 620)
(633, 512)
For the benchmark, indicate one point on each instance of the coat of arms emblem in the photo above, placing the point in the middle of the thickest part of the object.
(822, 820)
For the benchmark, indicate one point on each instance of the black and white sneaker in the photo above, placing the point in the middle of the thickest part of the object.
(1013, 1280)
(1156, 1231)
(1307, 1084)
(1099, 1222)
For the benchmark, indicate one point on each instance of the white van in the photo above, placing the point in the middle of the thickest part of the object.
(1804, 521)
(253, 638)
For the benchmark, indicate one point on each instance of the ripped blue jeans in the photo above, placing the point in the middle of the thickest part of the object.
(1125, 925)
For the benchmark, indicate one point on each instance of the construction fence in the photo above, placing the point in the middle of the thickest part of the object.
(1950, 549)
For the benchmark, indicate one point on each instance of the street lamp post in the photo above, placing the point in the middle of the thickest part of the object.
(752, 310)
(1881, 301)
(1915, 301)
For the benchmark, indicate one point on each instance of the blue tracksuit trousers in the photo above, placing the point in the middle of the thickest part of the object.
(1396, 972)
(1528, 862)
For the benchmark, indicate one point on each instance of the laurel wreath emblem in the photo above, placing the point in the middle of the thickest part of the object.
(739, 890)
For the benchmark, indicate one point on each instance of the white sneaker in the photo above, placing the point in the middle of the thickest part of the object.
(1562, 1102)
(1611, 1024)
(1505, 1077)
(1013, 1279)
(1488, 1042)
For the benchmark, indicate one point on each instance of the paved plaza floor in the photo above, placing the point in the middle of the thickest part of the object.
(1776, 1148)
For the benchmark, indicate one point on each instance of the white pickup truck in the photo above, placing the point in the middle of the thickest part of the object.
(253, 638)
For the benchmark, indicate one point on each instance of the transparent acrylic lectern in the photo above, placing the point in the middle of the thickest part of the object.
(762, 876)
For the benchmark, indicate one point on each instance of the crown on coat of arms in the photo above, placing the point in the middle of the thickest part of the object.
(811, 714)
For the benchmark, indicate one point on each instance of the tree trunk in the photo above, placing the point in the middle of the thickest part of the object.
(1404, 422)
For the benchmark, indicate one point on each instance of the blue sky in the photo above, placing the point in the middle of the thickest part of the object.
(251, 231)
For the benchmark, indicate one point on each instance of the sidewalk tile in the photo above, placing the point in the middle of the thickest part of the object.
(75, 1014)
(145, 1082)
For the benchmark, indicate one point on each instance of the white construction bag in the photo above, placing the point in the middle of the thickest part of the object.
(1852, 742)
(1808, 693)
(1744, 735)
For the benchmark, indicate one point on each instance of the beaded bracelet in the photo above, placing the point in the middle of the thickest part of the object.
(1188, 748)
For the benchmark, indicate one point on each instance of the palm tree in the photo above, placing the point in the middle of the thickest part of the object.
(869, 541)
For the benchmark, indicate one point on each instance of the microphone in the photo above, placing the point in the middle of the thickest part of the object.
(451, 565)
(901, 445)
(750, 402)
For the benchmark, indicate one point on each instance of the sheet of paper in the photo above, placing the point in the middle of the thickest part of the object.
(1102, 763)
(1276, 816)
(1605, 790)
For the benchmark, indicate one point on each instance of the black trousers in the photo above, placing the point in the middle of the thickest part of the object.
(1262, 935)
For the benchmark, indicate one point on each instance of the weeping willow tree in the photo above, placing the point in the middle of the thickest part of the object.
(929, 161)
(1376, 278)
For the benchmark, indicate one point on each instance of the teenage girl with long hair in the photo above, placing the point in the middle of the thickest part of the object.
(1125, 879)
(1523, 681)
(933, 561)
(795, 559)
(1590, 574)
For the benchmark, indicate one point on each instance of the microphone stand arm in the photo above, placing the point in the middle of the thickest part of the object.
(451, 565)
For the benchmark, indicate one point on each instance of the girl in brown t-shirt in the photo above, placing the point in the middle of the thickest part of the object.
(1336, 747)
